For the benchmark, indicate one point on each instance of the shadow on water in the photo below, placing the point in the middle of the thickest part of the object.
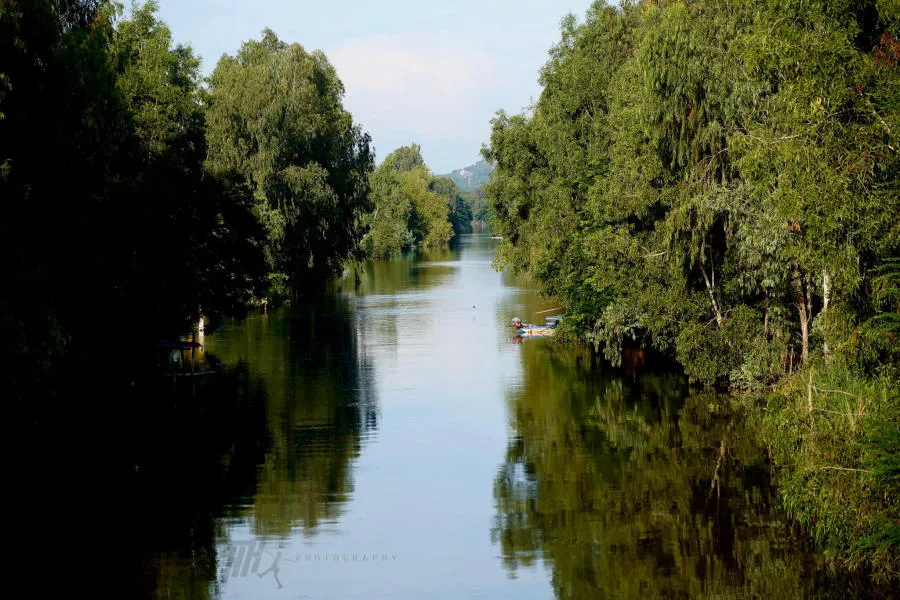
(645, 489)
(135, 492)
(124, 489)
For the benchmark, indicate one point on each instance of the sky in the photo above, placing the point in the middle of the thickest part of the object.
(433, 73)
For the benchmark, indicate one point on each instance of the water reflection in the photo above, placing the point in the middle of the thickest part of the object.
(320, 407)
(640, 490)
(370, 424)
(258, 453)
(407, 273)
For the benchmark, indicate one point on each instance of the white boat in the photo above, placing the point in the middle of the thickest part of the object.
(545, 330)
(534, 330)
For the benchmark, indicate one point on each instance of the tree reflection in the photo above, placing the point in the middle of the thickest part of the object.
(203, 472)
(407, 273)
(156, 478)
(319, 406)
(287, 425)
(650, 489)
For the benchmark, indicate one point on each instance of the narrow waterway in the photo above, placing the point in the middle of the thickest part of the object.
(394, 440)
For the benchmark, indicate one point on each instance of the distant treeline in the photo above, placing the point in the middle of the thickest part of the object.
(720, 181)
(139, 197)
(412, 207)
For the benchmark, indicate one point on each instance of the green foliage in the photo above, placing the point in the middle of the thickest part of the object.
(478, 206)
(836, 437)
(718, 181)
(460, 214)
(684, 162)
(276, 122)
(405, 158)
(411, 208)
(175, 202)
(159, 83)
(109, 210)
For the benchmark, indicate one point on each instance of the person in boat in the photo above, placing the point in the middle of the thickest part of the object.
(517, 322)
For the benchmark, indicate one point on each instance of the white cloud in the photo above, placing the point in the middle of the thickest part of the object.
(417, 84)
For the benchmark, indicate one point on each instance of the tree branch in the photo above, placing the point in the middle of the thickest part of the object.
(845, 469)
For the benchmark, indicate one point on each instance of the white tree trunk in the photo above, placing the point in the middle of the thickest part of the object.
(802, 287)
(710, 287)
(826, 297)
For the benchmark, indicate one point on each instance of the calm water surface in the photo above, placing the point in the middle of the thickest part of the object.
(394, 441)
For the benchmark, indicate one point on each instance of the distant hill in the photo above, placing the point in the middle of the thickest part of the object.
(472, 177)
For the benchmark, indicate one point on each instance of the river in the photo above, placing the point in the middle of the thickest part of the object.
(393, 440)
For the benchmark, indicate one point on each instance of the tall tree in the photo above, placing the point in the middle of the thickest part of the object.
(193, 235)
(408, 212)
(119, 218)
(276, 121)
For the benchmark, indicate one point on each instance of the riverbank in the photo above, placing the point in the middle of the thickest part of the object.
(835, 439)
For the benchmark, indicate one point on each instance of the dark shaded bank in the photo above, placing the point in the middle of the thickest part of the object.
(122, 490)
(116, 481)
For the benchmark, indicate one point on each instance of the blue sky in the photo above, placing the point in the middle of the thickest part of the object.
(415, 71)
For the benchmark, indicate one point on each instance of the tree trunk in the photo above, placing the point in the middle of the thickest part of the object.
(766, 319)
(803, 296)
(804, 333)
(791, 367)
(710, 287)
(809, 394)
(826, 297)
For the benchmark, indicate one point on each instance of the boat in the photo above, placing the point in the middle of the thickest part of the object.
(529, 329)
(536, 330)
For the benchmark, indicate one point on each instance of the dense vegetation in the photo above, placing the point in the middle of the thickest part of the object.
(276, 124)
(109, 211)
(134, 192)
(412, 208)
(719, 181)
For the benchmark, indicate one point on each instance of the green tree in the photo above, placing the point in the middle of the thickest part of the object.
(405, 158)
(276, 122)
(460, 212)
(120, 217)
(407, 213)
(719, 181)
(212, 262)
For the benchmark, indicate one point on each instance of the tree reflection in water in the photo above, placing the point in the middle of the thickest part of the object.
(647, 489)
(320, 405)
(157, 479)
